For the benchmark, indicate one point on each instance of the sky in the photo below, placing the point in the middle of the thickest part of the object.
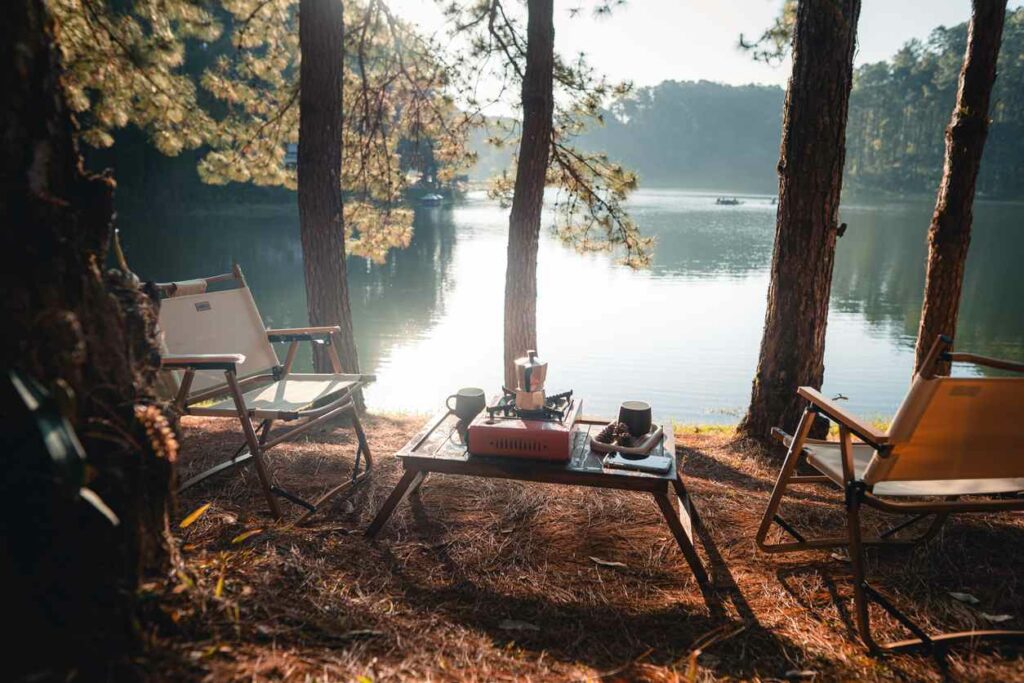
(650, 41)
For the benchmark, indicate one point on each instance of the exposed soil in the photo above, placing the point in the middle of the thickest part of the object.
(492, 580)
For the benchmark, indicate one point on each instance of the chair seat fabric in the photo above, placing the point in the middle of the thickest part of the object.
(827, 458)
(292, 394)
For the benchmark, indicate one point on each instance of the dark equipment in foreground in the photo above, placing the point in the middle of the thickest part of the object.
(955, 446)
(43, 495)
(41, 448)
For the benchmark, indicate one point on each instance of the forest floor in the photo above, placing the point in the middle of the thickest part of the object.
(495, 580)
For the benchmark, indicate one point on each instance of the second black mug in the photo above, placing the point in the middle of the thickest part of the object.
(636, 415)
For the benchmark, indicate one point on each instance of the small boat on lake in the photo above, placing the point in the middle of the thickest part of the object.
(431, 200)
(727, 201)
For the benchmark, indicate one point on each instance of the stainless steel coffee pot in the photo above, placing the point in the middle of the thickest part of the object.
(530, 375)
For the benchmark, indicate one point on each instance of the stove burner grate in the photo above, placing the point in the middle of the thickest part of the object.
(555, 408)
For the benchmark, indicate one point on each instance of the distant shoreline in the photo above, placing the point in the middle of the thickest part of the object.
(285, 203)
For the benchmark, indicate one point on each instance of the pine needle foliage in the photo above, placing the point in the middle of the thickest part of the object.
(774, 43)
(127, 67)
(590, 211)
(406, 97)
(125, 64)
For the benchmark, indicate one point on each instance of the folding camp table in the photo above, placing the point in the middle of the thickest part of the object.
(434, 449)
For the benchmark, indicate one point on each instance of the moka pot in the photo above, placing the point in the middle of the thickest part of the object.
(530, 375)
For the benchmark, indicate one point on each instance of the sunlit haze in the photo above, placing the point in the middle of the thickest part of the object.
(649, 41)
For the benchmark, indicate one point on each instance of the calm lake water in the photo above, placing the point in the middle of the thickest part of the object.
(683, 335)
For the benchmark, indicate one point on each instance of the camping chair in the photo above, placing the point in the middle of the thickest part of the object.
(224, 366)
(955, 445)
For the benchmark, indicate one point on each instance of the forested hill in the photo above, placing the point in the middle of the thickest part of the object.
(709, 135)
(899, 110)
(700, 134)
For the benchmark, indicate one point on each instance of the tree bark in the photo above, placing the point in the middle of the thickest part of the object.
(321, 36)
(68, 574)
(810, 180)
(949, 235)
(528, 198)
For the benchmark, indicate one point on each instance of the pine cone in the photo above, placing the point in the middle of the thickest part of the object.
(607, 434)
(622, 436)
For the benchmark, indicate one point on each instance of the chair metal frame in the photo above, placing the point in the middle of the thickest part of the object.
(257, 440)
(858, 494)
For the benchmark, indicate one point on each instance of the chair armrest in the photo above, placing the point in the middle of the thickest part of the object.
(843, 417)
(986, 361)
(202, 361)
(290, 334)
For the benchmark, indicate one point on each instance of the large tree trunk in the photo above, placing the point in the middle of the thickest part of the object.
(528, 200)
(321, 34)
(69, 577)
(950, 233)
(810, 179)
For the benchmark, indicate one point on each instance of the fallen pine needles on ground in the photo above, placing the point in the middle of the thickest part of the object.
(492, 580)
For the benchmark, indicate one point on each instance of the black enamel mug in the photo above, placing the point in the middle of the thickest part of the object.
(469, 401)
(636, 415)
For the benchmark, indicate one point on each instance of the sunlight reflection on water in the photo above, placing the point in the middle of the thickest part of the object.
(683, 335)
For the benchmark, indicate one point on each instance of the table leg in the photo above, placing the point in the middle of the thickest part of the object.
(683, 533)
(414, 489)
(411, 478)
(688, 514)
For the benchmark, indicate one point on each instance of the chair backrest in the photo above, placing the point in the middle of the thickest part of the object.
(225, 321)
(955, 428)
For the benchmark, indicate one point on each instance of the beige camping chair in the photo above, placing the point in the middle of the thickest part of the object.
(955, 445)
(223, 365)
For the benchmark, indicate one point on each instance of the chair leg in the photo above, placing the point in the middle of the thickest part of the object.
(255, 445)
(855, 550)
(936, 524)
(864, 594)
(264, 432)
(933, 528)
(364, 446)
(938, 519)
(793, 458)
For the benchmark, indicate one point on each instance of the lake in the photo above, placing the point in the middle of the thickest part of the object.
(683, 334)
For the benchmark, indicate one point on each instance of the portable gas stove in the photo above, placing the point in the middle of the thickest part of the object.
(543, 433)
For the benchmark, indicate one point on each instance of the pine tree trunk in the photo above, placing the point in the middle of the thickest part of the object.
(950, 232)
(70, 577)
(321, 34)
(528, 200)
(810, 180)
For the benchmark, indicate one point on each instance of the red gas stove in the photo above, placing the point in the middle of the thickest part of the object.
(544, 433)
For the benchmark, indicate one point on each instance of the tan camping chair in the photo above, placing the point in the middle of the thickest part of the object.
(955, 445)
(223, 365)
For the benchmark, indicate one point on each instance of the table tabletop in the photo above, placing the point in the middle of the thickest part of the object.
(436, 447)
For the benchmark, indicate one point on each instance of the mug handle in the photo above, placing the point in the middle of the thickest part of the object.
(447, 403)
